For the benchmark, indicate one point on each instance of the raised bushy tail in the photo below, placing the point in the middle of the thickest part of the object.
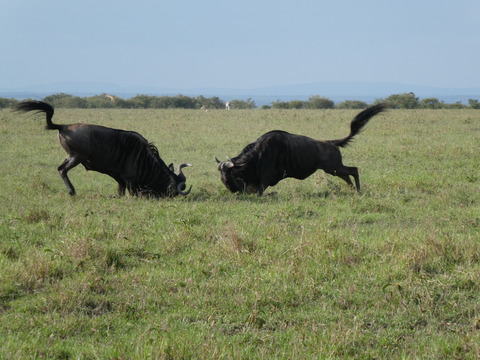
(358, 123)
(39, 106)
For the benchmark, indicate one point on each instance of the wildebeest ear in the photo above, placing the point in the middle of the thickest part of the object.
(171, 167)
(218, 161)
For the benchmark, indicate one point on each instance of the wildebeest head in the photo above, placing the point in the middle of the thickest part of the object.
(227, 176)
(230, 174)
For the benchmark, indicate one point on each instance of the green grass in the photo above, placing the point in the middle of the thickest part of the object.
(311, 270)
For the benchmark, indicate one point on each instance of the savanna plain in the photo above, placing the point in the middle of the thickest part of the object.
(311, 270)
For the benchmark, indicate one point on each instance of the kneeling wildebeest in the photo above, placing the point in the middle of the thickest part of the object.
(126, 156)
(277, 155)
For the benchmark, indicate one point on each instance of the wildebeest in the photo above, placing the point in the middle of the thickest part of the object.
(126, 156)
(277, 155)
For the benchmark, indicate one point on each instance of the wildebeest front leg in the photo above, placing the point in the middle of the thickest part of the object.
(121, 188)
(68, 164)
(122, 185)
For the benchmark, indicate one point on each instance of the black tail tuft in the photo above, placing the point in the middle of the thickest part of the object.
(359, 122)
(38, 106)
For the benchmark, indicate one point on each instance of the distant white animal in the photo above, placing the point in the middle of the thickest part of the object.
(227, 105)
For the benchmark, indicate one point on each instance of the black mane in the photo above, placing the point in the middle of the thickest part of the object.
(152, 175)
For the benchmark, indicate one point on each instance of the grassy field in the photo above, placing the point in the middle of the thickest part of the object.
(311, 270)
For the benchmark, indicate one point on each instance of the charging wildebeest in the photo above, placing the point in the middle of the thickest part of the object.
(277, 155)
(126, 156)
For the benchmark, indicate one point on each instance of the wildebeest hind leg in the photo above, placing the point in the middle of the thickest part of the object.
(347, 179)
(354, 172)
(69, 163)
(345, 173)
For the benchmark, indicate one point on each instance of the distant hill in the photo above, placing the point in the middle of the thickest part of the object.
(336, 90)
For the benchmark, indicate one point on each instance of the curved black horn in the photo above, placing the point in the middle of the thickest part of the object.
(180, 172)
(181, 186)
(181, 166)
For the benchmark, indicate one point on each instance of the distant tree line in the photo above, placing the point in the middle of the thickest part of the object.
(105, 101)
(396, 101)
(410, 101)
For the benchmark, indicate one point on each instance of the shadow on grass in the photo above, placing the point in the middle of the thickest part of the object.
(223, 195)
(219, 194)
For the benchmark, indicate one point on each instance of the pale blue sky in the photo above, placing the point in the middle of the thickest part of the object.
(239, 44)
